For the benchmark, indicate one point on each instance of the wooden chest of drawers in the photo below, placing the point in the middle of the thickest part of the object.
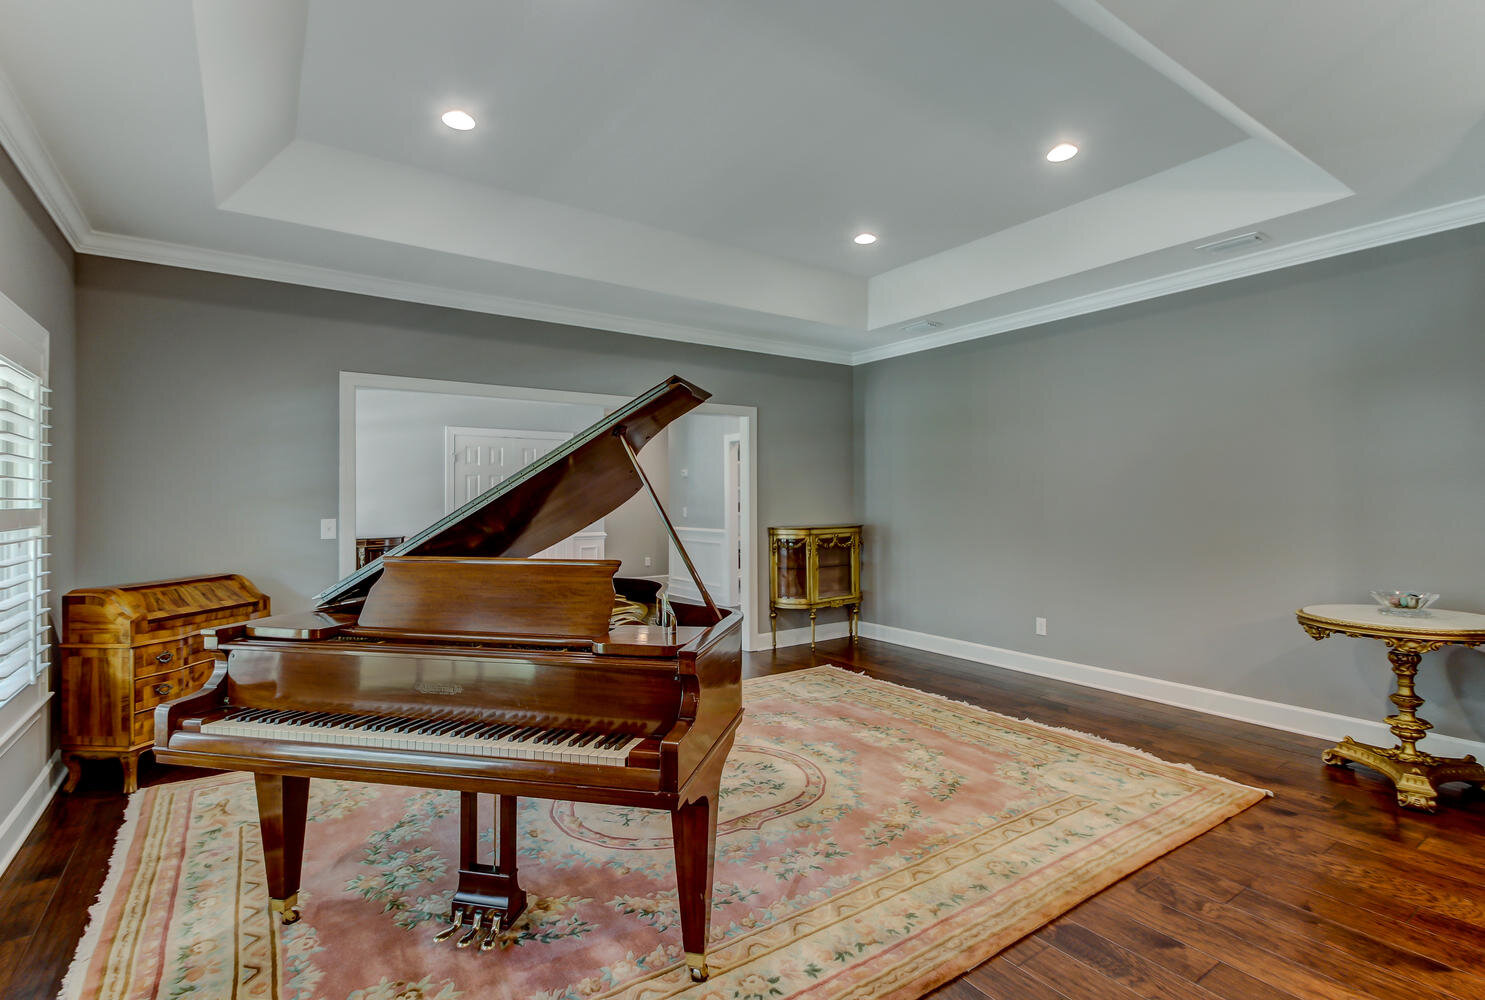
(126, 649)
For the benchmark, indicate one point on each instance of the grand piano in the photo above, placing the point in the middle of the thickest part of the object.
(455, 661)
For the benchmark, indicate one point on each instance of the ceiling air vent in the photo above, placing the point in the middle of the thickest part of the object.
(922, 326)
(1228, 244)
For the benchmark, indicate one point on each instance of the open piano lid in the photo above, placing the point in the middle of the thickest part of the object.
(587, 477)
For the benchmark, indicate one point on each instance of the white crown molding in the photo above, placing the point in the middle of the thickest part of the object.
(1373, 234)
(247, 266)
(1238, 707)
(19, 138)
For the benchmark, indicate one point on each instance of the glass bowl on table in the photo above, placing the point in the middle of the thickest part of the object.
(1405, 603)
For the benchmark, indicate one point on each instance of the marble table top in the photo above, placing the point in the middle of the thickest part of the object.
(1371, 616)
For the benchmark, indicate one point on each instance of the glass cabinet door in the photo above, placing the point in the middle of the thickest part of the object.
(833, 556)
(792, 579)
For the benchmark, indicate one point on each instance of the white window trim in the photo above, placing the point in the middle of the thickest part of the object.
(24, 345)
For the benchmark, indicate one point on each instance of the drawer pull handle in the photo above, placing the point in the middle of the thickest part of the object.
(162, 689)
(164, 657)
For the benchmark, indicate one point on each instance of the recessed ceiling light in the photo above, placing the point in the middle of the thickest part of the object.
(1062, 151)
(461, 120)
(866, 239)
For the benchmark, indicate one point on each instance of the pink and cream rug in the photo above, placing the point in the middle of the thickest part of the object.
(875, 841)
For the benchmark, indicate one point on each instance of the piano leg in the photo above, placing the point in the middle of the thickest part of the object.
(486, 892)
(694, 825)
(283, 806)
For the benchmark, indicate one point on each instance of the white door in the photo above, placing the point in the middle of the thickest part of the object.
(733, 519)
(478, 458)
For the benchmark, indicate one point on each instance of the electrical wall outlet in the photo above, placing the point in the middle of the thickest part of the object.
(1041, 626)
(648, 562)
(327, 527)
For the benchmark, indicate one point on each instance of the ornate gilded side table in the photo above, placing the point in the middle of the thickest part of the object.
(1416, 773)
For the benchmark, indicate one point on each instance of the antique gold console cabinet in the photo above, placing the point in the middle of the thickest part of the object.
(810, 568)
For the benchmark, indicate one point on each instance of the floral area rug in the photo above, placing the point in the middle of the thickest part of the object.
(874, 842)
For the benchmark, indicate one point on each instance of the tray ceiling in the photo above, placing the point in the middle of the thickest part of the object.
(696, 170)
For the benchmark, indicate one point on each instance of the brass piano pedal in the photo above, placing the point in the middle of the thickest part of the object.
(696, 963)
(474, 932)
(495, 935)
(451, 929)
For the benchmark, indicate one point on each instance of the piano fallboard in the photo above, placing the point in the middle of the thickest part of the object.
(532, 687)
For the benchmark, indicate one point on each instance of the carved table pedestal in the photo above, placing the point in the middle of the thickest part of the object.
(1416, 773)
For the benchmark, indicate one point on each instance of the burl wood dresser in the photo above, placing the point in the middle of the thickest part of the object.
(125, 649)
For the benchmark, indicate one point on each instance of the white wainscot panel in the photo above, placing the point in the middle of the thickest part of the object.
(707, 548)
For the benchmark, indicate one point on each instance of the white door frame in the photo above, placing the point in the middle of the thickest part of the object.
(350, 382)
(733, 520)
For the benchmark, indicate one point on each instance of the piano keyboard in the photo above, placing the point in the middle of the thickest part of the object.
(461, 736)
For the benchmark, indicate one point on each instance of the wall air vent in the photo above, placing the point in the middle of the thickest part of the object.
(922, 326)
(1228, 244)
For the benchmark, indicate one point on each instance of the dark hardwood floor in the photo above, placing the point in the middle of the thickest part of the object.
(1325, 892)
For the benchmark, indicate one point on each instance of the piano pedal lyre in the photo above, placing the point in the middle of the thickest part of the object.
(451, 929)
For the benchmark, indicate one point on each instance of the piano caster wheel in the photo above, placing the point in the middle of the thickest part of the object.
(287, 910)
(474, 932)
(451, 929)
(697, 966)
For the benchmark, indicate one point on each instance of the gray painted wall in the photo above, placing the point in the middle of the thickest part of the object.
(36, 272)
(211, 408)
(697, 469)
(1168, 481)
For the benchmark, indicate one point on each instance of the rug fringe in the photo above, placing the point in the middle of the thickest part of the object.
(72, 982)
(1125, 748)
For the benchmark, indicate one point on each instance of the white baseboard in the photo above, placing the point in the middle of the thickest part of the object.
(15, 827)
(1241, 708)
(801, 636)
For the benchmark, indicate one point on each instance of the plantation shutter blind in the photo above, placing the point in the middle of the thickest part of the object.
(24, 645)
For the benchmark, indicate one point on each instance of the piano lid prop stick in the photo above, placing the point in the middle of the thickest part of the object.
(659, 507)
